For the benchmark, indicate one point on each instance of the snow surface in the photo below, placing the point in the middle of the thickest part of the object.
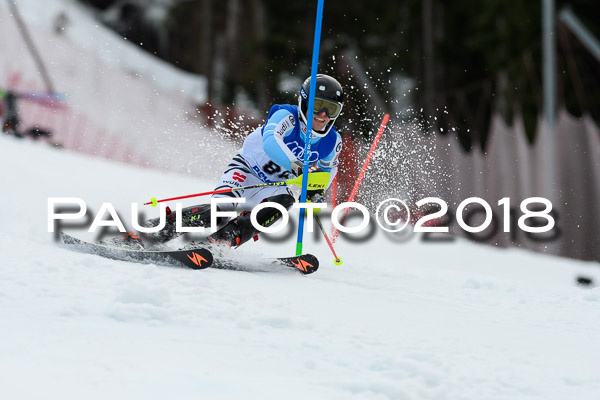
(398, 320)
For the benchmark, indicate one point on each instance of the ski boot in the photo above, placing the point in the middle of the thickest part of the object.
(130, 240)
(190, 217)
(239, 230)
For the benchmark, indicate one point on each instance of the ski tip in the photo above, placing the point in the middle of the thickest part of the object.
(65, 238)
(196, 258)
(306, 263)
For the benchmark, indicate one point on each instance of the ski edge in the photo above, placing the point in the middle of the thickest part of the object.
(305, 264)
(195, 258)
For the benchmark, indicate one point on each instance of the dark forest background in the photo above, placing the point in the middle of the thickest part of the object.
(449, 63)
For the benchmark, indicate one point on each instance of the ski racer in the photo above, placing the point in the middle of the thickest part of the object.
(274, 152)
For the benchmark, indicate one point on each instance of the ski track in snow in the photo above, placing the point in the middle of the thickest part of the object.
(396, 321)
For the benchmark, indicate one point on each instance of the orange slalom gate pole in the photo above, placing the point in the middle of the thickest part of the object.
(337, 260)
(363, 170)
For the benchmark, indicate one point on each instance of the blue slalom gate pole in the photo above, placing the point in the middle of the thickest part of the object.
(309, 119)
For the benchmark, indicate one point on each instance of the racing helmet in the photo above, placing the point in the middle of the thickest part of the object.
(329, 97)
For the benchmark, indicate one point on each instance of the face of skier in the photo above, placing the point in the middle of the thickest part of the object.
(320, 120)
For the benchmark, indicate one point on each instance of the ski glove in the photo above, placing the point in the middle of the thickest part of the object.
(297, 167)
(315, 196)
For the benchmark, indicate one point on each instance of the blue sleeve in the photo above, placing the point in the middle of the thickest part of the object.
(330, 162)
(277, 127)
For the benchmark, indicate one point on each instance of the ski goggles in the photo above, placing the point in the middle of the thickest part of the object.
(331, 108)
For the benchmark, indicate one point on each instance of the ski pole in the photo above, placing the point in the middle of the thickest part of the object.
(337, 261)
(363, 170)
(316, 180)
(307, 137)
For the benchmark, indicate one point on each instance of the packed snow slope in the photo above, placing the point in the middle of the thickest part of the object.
(398, 320)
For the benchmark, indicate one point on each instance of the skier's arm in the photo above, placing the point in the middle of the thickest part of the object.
(330, 162)
(276, 128)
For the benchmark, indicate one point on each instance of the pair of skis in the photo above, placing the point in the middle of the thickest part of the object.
(195, 258)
